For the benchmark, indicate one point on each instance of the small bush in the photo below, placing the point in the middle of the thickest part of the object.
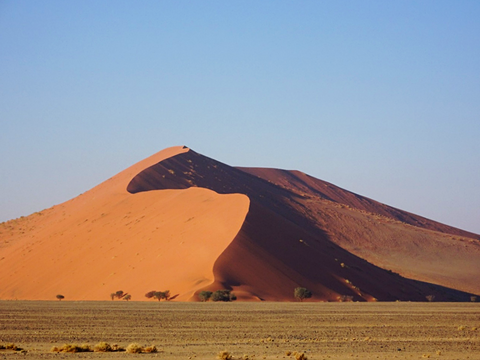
(430, 298)
(134, 348)
(127, 297)
(150, 349)
(159, 295)
(300, 356)
(224, 355)
(102, 347)
(221, 295)
(60, 297)
(346, 298)
(72, 348)
(288, 353)
(150, 294)
(473, 298)
(116, 347)
(10, 346)
(302, 293)
(205, 295)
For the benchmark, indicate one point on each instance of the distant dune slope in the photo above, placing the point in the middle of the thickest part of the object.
(183, 222)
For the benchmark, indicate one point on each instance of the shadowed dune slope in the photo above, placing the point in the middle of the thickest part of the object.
(298, 231)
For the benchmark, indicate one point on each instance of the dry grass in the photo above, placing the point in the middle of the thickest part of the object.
(150, 349)
(134, 348)
(224, 355)
(102, 346)
(72, 348)
(300, 356)
(10, 346)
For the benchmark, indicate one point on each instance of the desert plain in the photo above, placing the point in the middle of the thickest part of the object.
(257, 331)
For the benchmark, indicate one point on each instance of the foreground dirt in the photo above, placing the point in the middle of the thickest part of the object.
(259, 330)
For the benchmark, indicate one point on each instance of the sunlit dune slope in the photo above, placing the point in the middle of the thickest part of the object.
(108, 239)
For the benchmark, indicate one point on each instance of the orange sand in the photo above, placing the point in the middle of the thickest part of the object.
(183, 222)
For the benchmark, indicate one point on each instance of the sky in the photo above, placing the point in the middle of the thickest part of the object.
(378, 97)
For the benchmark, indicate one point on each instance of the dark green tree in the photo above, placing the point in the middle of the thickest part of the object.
(204, 295)
(302, 293)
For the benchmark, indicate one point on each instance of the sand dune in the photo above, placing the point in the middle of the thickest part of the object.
(184, 222)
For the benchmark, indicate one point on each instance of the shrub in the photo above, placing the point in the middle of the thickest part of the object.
(150, 294)
(302, 293)
(159, 295)
(10, 346)
(102, 347)
(224, 355)
(127, 297)
(345, 298)
(134, 348)
(204, 295)
(150, 349)
(72, 348)
(112, 296)
(300, 356)
(60, 297)
(430, 298)
(221, 295)
(473, 298)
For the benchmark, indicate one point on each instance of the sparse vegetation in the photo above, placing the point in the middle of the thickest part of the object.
(134, 349)
(473, 298)
(102, 347)
(159, 295)
(302, 293)
(127, 297)
(60, 297)
(300, 356)
(150, 349)
(72, 348)
(205, 295)
(223, 295)
(10, 346)
(119, 295)
(430, 298)
(224, 355)
(345, 298)
(150, 294)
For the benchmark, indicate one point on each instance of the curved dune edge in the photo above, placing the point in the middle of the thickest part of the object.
(108, 239)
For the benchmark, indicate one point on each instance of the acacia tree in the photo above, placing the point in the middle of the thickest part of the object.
(159, 295)
(223, 295)
(302, 293)
(60, 297)
(150, 294)
(204, 295)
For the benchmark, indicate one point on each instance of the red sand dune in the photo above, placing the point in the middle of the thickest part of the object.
(184, 222)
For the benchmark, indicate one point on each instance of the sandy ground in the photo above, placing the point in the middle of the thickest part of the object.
(259, 330)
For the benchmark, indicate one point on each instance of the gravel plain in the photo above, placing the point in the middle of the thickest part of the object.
(256, 331)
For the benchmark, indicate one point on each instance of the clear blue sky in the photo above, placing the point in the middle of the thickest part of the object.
(379, 97)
